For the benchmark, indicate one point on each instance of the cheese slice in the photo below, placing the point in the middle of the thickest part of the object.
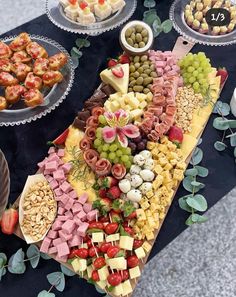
(89, 271)
(198, 120)
(119, 263)
(188, 144)
(103, 273)
(126, 243)
(102, 284)
(119, 84)
(118, 290)
(196, 130)
(127, 288)
(134, 272)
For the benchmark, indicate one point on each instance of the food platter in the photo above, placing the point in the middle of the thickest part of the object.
(19, 113)
(4, 182)
(181, 26)
(56, 15)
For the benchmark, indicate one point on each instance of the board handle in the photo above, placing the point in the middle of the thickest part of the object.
(182, 47)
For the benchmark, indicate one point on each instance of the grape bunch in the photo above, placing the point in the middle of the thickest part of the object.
(138, 144)
(113, 152)
(194, 70)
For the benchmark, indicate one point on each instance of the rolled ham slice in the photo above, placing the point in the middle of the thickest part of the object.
(90, 132)
(91, 157)
(103, 167)
(85, 143)
(92, 121)
(118, 171)
(97, 111)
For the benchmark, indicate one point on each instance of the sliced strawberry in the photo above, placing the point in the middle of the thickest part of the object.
(9, 220)
(60, 139)
(223, 73)
(176, 135)
(112, 63)
(124, 59)
(118, 72)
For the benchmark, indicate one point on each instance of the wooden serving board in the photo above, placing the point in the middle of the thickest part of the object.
(144, 260)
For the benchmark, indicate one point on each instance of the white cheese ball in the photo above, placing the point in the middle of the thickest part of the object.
(145, 187)
(125, 185)
(136, 180)
(134, 195)
(139, 160)
(135, 169)
(147, 175)
(146, 154)
(149, 164)
(128, 176)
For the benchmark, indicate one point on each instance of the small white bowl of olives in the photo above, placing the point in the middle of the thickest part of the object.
(136, 37)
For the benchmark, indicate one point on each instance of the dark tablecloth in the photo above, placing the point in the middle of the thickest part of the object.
(25, 145)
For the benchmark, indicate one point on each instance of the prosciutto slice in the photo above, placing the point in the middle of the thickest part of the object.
(97, 111)
(103, 167)
(91, 157)
(118, 171)
(90, 132)
(85, 143)
(92, 121)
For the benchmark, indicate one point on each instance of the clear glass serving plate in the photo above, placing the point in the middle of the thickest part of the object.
(180, 25)
(56, 14)
(4, 183)
(19, 113)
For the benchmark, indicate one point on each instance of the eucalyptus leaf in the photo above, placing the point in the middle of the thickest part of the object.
(82, 42)
(3, 259)
(197, 156)
(57, 279)
(199, 141)
(232, 124)
(67, 271)
(3, 271)
(196, 184)
(75, 61)
(191, 172)
(189, 221)
(197, 202)
(45, 256)
(99, 290)
(217, 107)
(187, 184)
(194, 217)
(232, 139)
(199, 218)
(220, 124)
(202, 171)
(220, 146)
(156, 25)
(221, 108)
(16, 263)
(33, 255)
(150, 16)
(167, 26)
(75, 52)
(235, 152)
(149, 3)
(45, 293)
(183, 204)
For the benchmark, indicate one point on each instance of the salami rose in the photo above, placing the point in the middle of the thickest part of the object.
(92, 121)
(85, 143)
(90, 132)
(103, 167)
(91, 157)
(97, 111)
(118, 171)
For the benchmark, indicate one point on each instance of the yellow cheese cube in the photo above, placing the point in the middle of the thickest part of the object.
(144, 204)
(122, 103)
(119, 263)
(147, 247)
(132, 101)
(142, 105)
(89, 271)
(178, 174)
(168, 167)
(98, 237)
(163, 161)
(126, 243)
(113, 237)
(114, 106)
(150, 235)
(127, 288)
(151, 222)
(153, 207)
(158, 182)
(103, 273)
(102, 284)
(84, 245)
(140, 96)
(149, 194)
(134, 272)
(151, 145)
(107, 105)
(140, 214)
(155, 152)
(118, 290)
(79, 265)
(181, 165)
(136, 113)
(158, 169)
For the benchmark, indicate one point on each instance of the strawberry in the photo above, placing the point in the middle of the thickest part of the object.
(112, 63)
(118, 72)
(102, 193)
(107, 182)
(114, 192)
(176, 135)
(106, 204)
(9, 220)
(117, 205)
(60, 139)
(83, 5)
(133, 215)
(124, 59)
(223, 73)
(115, 217)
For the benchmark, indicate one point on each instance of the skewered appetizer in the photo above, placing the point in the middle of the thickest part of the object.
(85, 17)
(116, 4)
(195, 12)
(27, 62)
(102, 10)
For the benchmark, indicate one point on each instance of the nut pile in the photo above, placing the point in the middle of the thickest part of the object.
(186, 102)
(39, 208)
(136, 36)
(142, 72)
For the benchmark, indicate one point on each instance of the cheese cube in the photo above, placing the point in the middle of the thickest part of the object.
(114, 106)
(132, 101)
(136, 113)
(102, 284)
(150, 235)
(134, 272)
(158, 182)
(141, 97)
(151, 145)
(89, 271)
(140, 253)
(84, 245)
(149, 96)
(122, 103)
(142, 105)
(79, 265)
(119, 263)
(158, 169)
(103, 273)
(107, 105)
(144, 204)
(151, 222)
(149, 194)
(126, 243)
(147, 247)
(98, 237)
(127, 288)
(113, 237)
(118, 290)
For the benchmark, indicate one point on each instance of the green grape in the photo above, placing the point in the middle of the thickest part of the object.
(112, 156)
(200, 76)
(200, 69)
(113, 148)
(196, 86)
(119, 153)
(185, 75)
(192, 79)
(195, 73)
(116, 160)
(102, 120)
(131, 159)
(125, 158)
(99, 149)
(202, 81)
(190, 69)
(105, 147)
(185, 81)
(97, 142)
(128, 164)
(99, 133)
(103, 155)
(196, 64)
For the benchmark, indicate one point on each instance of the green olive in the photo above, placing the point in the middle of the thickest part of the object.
(137, 65)
(144, 33)
(141, 44)
(153, 74)
(148, 71)
(145, 39)
(146, 90)
(136, 59)
(145, 67)
(147, 81)
(132, 83)
(138, 88)
(144, 58)
(138, 37)
(133, 37)
(144, 75)
(136, 74)
(139, 28)
(136, 45)
(128, 32)
(152, 67)
(132, 68)
(146, 63)
(149, 86)
(140, 69)
(131, 89)
(130, 41)
(139, 81)
(131, 78)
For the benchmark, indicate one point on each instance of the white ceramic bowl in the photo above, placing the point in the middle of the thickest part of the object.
(130, 49)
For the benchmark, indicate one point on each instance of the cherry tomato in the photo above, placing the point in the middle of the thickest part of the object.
(73, 254)
(104, 219)
(92, 251)
(132, 261)
(112, 251)
(124, 275)
(99, 262)
(137, 243)
(114, 279)
(95, 276)
(111, 228)
(82, 253)
(129, 230)
(105, 246)
(89, 243)
(96, 225)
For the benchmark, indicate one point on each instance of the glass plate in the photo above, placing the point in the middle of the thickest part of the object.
(177, 17)
(57, 17)
(19, 114)
(4, 183)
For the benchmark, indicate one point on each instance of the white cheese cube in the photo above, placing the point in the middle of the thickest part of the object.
(126, 243)
(115, 105)
(140, 253)
(147, 247)
(141, 97)
(89, 271)
(79, 265)
(98, 237)
(119, 263)
(113, 237)
(103, 273)
(118, 290)
(102, 284)
(134, 272)
(127, 288)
